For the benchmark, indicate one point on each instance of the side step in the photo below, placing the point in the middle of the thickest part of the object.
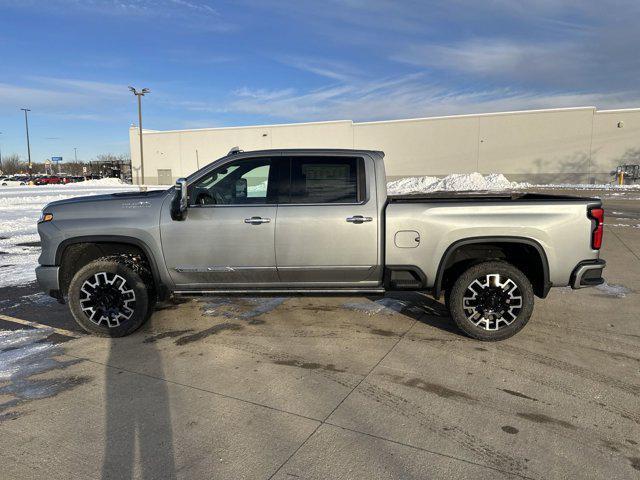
(284, 291)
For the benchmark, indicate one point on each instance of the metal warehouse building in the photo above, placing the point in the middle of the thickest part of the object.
(574, 145)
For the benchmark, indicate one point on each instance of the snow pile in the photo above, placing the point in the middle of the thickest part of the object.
(587, 186)
(452, 183)
(102, 182)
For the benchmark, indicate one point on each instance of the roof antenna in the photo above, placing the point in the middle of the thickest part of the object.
(234, 150)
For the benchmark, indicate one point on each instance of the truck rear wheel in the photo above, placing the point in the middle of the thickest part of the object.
(109, 298)
(491, 301)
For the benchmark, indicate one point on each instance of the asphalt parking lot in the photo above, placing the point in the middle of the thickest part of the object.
(339, 387)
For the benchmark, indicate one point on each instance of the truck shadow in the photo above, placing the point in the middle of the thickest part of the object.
(420, 307)
(138, 433)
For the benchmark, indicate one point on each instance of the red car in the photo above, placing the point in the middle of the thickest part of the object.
(50, 180)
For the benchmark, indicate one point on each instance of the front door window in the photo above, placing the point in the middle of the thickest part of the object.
(247, 182)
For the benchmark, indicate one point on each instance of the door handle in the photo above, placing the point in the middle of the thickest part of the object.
(256, 220)
(359, 219)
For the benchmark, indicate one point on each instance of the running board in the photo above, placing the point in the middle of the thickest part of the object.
(290, 291)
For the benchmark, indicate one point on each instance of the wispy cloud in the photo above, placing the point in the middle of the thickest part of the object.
(15, 96)
(477, 56)
(152, 8)
(66, 98)
(331, 69)
(407, 96)
(196, 14)
(84, 87)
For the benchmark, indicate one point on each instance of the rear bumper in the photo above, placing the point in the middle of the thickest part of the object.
(588, 273)
(48, 280)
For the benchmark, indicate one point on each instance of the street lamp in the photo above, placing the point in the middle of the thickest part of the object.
(140, 94)
(26, 124)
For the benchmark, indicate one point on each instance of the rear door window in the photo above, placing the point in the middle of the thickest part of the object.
(327, 180)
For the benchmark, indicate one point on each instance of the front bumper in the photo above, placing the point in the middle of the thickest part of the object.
(588, 273)
(48, 278)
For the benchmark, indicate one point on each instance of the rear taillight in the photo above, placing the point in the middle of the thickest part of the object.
(597, 214)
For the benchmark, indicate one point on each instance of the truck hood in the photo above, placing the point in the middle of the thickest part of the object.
(127, 198)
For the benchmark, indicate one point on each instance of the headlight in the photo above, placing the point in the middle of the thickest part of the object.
(45, 217)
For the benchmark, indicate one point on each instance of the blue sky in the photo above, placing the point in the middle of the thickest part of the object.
(221, 63)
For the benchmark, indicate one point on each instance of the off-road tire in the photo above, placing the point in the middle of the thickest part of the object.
(493, 330)
(136, 285)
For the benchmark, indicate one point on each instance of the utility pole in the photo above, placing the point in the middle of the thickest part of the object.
(0, 155)
(140, 94)
(26, 124)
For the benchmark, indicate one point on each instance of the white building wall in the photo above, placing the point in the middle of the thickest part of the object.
(435, 146)
(616, 139)
(539, 146)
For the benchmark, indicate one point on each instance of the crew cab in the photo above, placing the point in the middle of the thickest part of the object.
(296, 221)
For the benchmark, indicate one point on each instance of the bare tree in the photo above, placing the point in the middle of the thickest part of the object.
(110, 157)
(11, 164)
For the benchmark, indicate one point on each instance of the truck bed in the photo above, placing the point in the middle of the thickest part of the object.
(484, 196)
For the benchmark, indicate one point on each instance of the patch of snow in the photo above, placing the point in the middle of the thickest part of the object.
(25, 353)
(101, 182)
(20, 209)
(456, 182)
(619, 291)
(386, 305)
(241, 308)
(621, 224)
(368, 308)
(587, 186)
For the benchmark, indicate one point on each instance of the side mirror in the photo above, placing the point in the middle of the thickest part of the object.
(180, 201)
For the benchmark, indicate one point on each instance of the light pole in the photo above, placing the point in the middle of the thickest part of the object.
(0, 155)
(26, 124)
(140, 94)
(75, 155)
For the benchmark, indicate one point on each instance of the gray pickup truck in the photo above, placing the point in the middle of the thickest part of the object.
(298, 221)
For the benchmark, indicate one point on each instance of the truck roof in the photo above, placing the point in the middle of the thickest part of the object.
(235, 151)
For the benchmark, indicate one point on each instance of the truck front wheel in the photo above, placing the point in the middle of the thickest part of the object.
(109, 298)
(491, 301)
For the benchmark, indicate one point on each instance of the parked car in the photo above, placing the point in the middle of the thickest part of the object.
(49, 180)
(319, 221)
(14, 181)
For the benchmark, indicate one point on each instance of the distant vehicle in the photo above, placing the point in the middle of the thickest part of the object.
(49, 180)
(315, 221)
(14, 181)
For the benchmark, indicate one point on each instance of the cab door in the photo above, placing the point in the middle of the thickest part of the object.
(227, 238)
(327, 229)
